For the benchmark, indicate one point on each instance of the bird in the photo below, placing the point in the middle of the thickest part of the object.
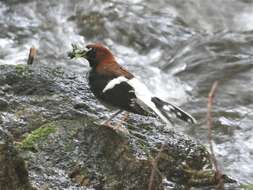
(117, 88)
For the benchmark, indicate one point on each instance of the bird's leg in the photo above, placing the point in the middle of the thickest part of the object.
(107, 122)
(123, 119)
(119, 126)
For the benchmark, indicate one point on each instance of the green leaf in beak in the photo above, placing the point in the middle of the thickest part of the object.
(77, 52)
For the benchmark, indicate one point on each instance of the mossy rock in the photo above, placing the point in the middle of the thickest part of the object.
(98, 157)
(64, 147)
(29, 142)
(13, 173)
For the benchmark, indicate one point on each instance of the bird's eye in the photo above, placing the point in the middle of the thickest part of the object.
(91, 53)
(93, 50)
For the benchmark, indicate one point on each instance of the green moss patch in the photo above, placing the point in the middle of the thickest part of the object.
(21, 69)
(39, 134)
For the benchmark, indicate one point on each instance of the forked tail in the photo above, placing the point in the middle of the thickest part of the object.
(169, 111)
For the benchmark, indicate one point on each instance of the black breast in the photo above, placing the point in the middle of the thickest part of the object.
(97, 83)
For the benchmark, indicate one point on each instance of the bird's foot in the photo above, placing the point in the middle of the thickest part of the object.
(117, 128)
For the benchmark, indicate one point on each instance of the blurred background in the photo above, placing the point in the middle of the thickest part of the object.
(177, 47)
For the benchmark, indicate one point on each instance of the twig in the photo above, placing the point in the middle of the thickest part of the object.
(210, 124)
(154, 167)
(32, 55)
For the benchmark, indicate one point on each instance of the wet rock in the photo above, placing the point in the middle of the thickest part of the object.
(91, 156)
(54, 116)
(21, 80)
(13, 173)
(83, 153)
(1, 92)
(3, 104)
(37, 95)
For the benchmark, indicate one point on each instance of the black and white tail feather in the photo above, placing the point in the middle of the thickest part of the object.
(145, 99)
(171, 111)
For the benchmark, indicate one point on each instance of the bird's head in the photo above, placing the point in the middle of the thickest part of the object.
(95, 54)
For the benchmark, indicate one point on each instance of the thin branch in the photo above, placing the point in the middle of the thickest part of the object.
(32, 55)
(210, 125)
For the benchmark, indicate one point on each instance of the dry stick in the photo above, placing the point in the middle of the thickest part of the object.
(32, 55)
(154, 167)
(209, 123)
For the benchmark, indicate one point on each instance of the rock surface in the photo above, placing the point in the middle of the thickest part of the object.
(53, 116)
(3, 104)
(13, 173)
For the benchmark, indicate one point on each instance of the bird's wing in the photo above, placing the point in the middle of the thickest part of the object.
(137, 98)
(119, 93)
(131, 95)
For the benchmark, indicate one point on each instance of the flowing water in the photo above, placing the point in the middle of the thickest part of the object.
(177, 47)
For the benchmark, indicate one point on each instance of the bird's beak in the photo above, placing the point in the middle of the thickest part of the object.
(77, 52)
